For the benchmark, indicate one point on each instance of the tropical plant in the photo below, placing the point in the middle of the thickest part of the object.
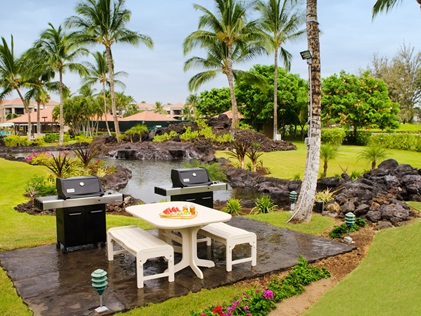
(304, 207)
(60, 50)
(239, 151)
(281, 21)
(254, 153)
(98, 73)
(232, 207)
(324, 196)
(386, 5)
(85, 156)
(159, 108)
(13, 76)
(138, 129)
(327, 152)
(228, 37)
(215, 170)
(264, 205)
(373, 153)
(104, 22)
(61, 165)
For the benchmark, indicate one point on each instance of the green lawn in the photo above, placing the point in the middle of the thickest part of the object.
(289, 164)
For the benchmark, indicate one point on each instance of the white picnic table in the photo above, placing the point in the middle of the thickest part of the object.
(187, 227)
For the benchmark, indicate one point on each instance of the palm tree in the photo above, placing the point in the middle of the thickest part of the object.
(281, 22)
(40, 75)
(60, 50)
(304, 205)
(373, 153)
(98, 73)
(104, 22)
(230, 38)
(386, 5)
(159, 108)
(12, 76)
(327, 152)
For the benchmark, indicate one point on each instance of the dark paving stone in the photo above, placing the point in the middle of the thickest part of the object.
(52, 283)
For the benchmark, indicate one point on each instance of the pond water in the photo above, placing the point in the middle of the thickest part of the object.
(146, 175)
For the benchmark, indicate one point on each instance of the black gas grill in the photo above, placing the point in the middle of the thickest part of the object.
(192, 185)
(80, 211)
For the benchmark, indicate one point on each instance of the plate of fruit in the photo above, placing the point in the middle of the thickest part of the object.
(177, 213)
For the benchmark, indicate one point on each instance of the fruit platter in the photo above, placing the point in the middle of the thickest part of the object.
(177, 213)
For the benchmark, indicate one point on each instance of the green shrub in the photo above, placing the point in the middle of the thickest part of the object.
(51, 138)
(232, 207)
(264, 205)
(39, 141)
(398, 141)
(41, 186)
(339, 231)
(164, 137)
(189, 135)
(225, 138)
(362, 138)
(38, 158)
(334, 136)
(15, 140)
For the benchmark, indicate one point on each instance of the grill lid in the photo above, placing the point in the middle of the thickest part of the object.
(76, 187)
(190, 177)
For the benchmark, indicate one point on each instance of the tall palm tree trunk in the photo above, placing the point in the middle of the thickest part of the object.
(304, 205)
(38, 118)
(230, 77)
(275, 96)
(61, 118)
(26, 108)
(105, 110)
(113, 106)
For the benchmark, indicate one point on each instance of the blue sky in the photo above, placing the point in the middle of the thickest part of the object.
(348, 41)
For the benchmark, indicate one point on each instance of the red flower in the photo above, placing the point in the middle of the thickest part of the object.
(217, 309)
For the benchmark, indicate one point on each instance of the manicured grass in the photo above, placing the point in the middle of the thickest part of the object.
(385, 283)
(290, 164)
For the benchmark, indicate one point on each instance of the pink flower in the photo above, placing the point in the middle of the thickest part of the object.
(268, 294)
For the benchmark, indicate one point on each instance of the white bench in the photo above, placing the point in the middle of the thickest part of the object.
(143, 246)
(231, 236)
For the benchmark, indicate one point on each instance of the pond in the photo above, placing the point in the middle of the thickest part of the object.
(146, 175)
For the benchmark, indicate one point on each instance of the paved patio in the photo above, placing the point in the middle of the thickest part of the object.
(52, 283)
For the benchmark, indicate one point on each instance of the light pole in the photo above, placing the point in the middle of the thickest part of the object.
(306, 55)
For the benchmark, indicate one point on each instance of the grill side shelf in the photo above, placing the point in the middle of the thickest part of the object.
(52, 202)
(191, 189)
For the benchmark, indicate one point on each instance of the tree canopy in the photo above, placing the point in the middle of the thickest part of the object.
(358, 101)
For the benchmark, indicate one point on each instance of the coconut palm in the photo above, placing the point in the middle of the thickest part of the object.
(386, 5)
(12, 76)
(304, 205)
(40, 76)
(104, 22)
(228, 36)
(159, 108)
(281, 21)
(98, 73)
(60, 50)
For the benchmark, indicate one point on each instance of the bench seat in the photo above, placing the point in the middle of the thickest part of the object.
(143, 246)
(231, 236)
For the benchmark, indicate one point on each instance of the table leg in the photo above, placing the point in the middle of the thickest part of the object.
(189, 253)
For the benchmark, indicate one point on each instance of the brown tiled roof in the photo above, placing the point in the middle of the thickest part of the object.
(47, 113)
(147, 116)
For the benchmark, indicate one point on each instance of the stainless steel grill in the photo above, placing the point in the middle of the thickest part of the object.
(192, 185)
(80, 211)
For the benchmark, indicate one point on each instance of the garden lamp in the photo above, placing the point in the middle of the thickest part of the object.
(292, 196)
(349, 221)
(99, 282)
